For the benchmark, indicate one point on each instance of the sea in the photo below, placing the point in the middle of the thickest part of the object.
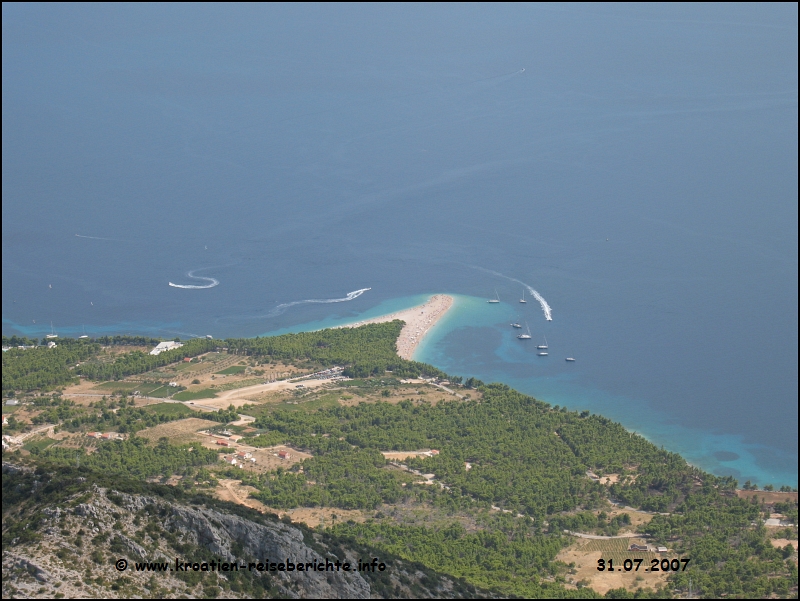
(245, 170)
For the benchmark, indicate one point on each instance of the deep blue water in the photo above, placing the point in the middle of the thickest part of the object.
(640, 173)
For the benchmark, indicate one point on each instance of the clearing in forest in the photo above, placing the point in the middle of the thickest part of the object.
(585, 553)
(182, 431)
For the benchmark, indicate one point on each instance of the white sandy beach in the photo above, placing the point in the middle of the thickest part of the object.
(419, 320)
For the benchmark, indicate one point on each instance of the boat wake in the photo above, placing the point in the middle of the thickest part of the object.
(548, 312)
(212, 282)
(98, 238)
(350, 296)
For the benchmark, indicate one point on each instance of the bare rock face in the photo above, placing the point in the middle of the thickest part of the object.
(274, 542)
(100, 543)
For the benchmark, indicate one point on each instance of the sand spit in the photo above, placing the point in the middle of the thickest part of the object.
(419, 320)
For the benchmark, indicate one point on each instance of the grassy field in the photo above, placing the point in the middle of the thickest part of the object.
(35, 446)
(186, 395)
(234, 369)
(126, 387)
(171, 409)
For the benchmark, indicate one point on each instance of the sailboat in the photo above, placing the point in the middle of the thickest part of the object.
(570, 359)
(543, 346)
(516, 325)
(525, 336)
(52, 333)
(496, 299)
(522, 300)
(84, 333)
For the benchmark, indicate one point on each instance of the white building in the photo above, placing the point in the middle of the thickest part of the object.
(166, 346)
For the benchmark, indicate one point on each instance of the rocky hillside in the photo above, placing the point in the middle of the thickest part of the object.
(78, 535)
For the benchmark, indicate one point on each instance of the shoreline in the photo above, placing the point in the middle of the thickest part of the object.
(419, 321)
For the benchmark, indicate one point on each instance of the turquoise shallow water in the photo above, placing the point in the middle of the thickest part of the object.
(552, 379)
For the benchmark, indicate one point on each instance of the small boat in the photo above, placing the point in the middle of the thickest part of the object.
(525, 336)
(543, 346)
(522, 300)
(542, 354)
(496, 299)
(569, 359)
(52, 333)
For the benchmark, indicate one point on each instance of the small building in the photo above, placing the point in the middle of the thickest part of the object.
(51, 344)
(661, 549)
(187, 359)
(434, 452)
(5, 420)
(635, 547)
(12, 402)
(284, 454)
(94, 434)
(222, 443)
(173, 384)
(165, 346)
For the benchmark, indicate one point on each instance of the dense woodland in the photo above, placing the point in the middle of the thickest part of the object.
(42, 368)
(135, 457)
(364, 351)
(524, 455)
